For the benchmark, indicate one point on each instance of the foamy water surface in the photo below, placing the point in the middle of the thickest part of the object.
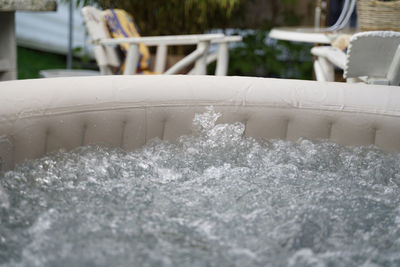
(212, 199)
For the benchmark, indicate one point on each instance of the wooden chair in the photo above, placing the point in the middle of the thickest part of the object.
(108, 58)
(372, 57)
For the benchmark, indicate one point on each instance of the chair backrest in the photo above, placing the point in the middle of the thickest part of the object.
(120, 24)
(344, 18)
(372, 54)
(106, 56)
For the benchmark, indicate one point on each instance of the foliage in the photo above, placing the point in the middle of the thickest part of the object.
(159, 17)
(255, 56)
(263, 57)
(30, 62)
(260, 56)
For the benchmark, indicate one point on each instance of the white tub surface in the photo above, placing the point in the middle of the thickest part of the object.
(43, 115)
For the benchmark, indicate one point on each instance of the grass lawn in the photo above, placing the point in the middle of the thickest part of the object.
(30, 62)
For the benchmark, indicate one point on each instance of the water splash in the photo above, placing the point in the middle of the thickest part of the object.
(216, 198)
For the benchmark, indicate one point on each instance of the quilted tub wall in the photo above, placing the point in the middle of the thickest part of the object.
(38, 117)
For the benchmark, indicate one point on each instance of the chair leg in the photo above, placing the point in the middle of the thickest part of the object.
(161, 59)
(328, 69)
(394, 70)
(222, 60)
(201, 63)
(319, 76)
(101, 59)
(132, 59)
(324, 70)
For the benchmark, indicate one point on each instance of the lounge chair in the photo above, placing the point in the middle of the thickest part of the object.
(372, 57)
(135, 51)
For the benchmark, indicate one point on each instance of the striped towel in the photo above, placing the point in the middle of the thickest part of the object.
(120, 24)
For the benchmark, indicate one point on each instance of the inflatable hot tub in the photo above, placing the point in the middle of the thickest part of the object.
(44, 115)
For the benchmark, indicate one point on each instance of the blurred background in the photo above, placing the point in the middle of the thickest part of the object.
(42, 37)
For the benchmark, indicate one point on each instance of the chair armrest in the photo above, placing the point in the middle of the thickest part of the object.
(333, 54)
(164, 40)
(227, 39)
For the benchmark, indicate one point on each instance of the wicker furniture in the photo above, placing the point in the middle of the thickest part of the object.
(378, 15)
(372, 57)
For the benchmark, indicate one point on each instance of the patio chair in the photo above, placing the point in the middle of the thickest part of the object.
(343, 19)
(135, 51)
(372, 57)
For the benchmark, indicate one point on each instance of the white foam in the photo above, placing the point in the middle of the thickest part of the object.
(216, 198)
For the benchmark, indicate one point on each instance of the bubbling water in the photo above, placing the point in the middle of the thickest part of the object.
(212, 199)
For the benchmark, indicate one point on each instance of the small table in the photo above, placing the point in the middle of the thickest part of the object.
(307, 35)
(8, 47)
